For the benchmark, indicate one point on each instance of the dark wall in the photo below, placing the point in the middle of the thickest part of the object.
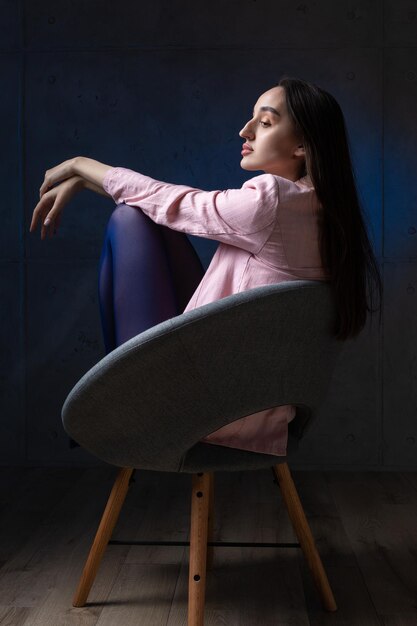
(164, 88)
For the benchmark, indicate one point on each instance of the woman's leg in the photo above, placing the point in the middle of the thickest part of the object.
(184, 262)
(147, 274)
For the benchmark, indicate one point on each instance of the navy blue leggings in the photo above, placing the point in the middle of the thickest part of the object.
(147, 274)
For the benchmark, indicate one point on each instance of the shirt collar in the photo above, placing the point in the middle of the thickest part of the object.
(306, 181)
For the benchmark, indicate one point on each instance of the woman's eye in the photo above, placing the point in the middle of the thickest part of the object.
(266, 123)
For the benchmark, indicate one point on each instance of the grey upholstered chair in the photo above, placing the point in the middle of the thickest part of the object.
(147, 404)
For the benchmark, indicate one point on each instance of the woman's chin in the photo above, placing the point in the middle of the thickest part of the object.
(247, 166)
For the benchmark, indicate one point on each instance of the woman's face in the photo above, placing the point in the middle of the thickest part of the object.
(271, 134)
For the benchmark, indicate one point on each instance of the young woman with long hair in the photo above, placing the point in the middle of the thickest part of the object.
(300, 219)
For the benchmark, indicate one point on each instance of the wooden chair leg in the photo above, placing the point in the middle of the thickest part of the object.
(304, 535)
(103, 534)
(200, 503)
(210, 535)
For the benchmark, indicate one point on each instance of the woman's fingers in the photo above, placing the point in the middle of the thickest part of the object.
(35, 216)
(49, 209)
(52, 228)
(40, 211)
(51, 218)
(48, 224)
(48, 230)
(44, 188)
(43, 211)
(44, 229)
(57, 174)
(43, 232)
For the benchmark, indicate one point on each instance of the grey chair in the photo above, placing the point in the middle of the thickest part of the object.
(147, 404)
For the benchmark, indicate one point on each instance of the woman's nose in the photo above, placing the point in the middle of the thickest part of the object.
(245, 132)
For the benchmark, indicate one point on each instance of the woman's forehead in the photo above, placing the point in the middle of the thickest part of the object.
(274, 97)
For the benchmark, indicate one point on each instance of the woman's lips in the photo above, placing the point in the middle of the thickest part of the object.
(246, 151)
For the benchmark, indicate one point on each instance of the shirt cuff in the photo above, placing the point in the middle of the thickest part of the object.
(109, 179)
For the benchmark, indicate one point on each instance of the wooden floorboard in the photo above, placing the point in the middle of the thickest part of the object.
(32, 497)
(379, 513)
(364, 524)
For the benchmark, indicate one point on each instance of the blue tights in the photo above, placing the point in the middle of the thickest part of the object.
(147, 274)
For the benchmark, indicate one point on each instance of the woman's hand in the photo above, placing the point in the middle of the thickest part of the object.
(52, 203)
(57, 174)
(69, 177)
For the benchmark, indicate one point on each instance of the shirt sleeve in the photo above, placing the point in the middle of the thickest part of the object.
(242, 217)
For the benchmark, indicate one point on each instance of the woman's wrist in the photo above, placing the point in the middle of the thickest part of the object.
(90, 171)
(79, 182)
(92, 187)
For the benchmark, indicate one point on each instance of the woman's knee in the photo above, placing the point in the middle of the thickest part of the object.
(125, 217)
(131, 232)
(123, 212)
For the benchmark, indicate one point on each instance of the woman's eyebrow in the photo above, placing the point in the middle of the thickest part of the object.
(271, 109)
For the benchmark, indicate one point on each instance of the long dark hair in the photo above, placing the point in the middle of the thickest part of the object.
(345, 248)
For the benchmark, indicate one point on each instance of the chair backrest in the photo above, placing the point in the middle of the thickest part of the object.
(151, 399)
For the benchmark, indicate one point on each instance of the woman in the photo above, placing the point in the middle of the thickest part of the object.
(300, 219)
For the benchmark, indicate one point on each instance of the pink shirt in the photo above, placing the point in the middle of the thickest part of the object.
(268, 233)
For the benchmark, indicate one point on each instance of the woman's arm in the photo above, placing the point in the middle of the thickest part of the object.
(242, 217)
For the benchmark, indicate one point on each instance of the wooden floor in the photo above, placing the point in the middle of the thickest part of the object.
(364, 524)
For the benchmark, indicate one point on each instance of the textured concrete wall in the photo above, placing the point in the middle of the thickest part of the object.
(164, 88)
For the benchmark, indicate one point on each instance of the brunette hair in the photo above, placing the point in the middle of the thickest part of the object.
(345, 248)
